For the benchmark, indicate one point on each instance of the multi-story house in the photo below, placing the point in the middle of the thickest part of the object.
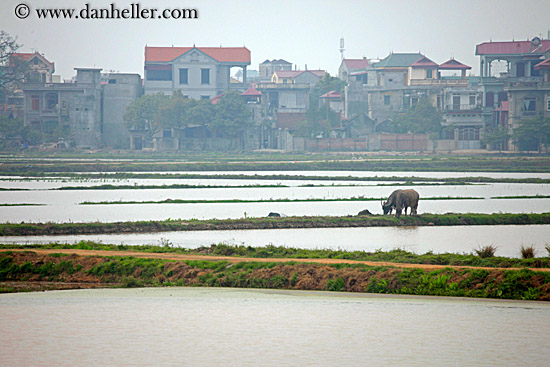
(198, 72)
(512, 82)
(352, 66)
(267, 68)
(87, 111)
(400, 80)
(36, 69)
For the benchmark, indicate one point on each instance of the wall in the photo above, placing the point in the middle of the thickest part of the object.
(397, 142)
(121, 91)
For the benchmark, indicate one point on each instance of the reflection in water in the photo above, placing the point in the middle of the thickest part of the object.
(231, 327)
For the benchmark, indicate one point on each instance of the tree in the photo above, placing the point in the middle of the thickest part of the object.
(231, 116)
(497, 138)
(142, 114)
(12, 68)
(531, 134)
(173, 113)
(421, 118)
(321, 119)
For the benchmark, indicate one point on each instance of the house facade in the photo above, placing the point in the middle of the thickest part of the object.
(198, 72)
(513, 83)
(88, 112)
(267, 68)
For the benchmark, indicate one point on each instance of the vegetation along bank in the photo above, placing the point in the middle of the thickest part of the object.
(451, 219)
(44, 267)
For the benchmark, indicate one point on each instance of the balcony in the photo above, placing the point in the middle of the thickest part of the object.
(260, 86)
(439, 82)
(463, 107)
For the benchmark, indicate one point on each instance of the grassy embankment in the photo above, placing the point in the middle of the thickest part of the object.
(28, 270)
(451, 219)
(366, 163)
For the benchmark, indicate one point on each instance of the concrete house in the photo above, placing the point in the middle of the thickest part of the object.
(352, 66)
(267, 68)
(513, 72)
(198, 72)
(87, 110)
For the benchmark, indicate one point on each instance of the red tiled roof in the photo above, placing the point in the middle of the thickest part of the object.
(543, 65)
(423, 62)
(332, 94)
(452, 64)
(27, 55)
(221, 54)
(251, 92)
(511, 47)
(216, 99)
(356, 63)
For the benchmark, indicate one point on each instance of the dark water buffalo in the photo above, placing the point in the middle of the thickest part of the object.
(401, 200)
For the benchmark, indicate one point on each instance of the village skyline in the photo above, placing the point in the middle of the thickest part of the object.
(304, 33)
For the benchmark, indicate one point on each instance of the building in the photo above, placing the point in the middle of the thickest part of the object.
(267, 68)
(36, 69)
(87, 112)
(352, 66)
(198, 72)
(513, 82)
(119, 90)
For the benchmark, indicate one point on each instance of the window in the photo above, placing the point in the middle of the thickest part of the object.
(529, 105)
(35, 103)
(112, 81)
(456, 103)
(414, 101)
(429, 74)
(548, 104)
(520, 69)
(489, 99)
(387, 100)
(390, 80)
(51, 101)
(472, 101)
(205, 97)
(184, 76)
(159, 75)
(167, 133)
(205, 76)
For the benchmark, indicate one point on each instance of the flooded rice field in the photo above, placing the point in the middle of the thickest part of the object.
(464, 239)
(66, 206)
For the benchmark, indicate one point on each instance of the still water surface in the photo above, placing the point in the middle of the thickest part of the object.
(236, 327)
(462, 239)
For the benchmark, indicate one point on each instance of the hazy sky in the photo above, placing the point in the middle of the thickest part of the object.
(299, 31)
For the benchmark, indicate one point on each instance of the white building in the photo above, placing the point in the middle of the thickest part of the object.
(198, 72)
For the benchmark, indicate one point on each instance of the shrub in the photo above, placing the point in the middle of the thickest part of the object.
(336, 285)
(547, 247)
(486, 251)
(527, 252)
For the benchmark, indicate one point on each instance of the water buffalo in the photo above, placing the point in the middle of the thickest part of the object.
(401, 200)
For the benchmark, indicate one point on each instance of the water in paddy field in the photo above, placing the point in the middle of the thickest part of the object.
(459, 239)
(238, 327)
(65, 206)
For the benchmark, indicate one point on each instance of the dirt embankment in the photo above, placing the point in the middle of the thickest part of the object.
(74, 269)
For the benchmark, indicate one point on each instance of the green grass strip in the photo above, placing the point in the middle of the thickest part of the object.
(426, 219)
(228, 201)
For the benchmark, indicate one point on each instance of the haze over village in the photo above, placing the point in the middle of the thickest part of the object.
(376, 100)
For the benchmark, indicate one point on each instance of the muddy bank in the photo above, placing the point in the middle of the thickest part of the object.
(37, 229)
(33, 270)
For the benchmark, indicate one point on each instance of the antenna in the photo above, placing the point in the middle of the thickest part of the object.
(342, 48)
